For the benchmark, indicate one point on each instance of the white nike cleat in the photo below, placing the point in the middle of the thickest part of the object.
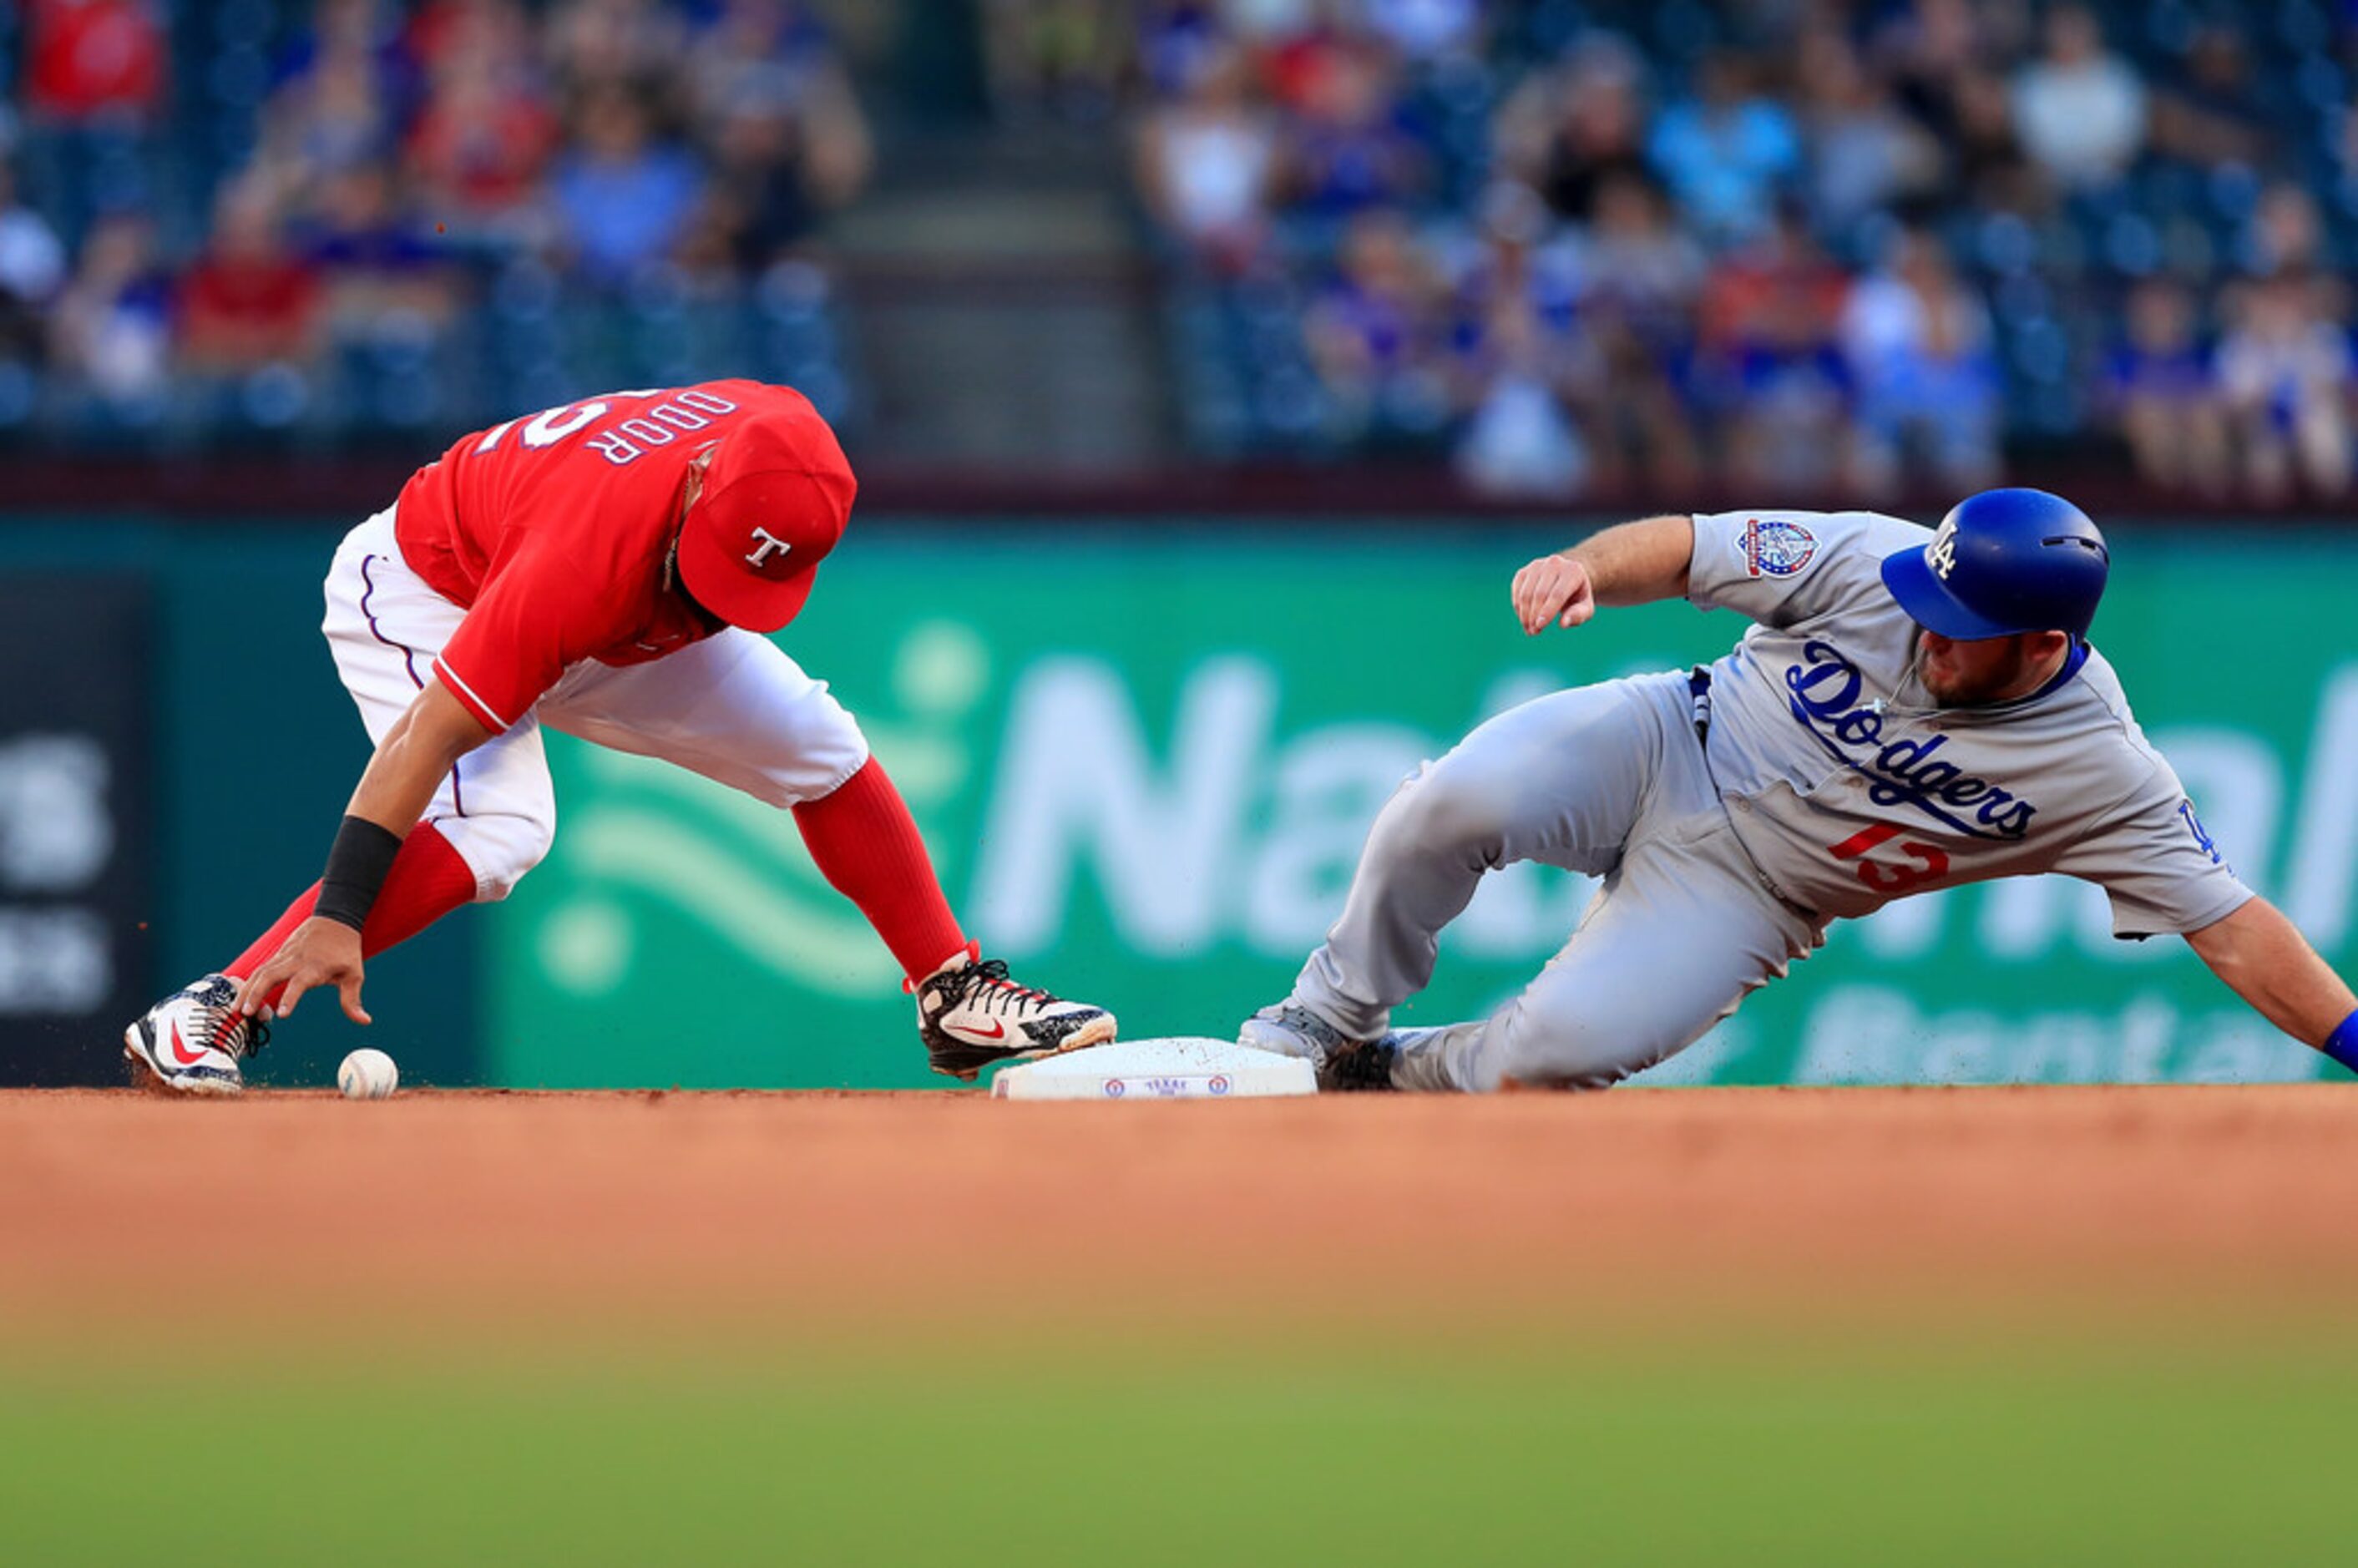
(191, 1042)
(971, 1015)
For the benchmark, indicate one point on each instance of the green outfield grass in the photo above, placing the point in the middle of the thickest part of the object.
(1153, 1454)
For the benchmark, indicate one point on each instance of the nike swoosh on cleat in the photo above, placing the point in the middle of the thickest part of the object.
(180, 1052)
(998, 1030)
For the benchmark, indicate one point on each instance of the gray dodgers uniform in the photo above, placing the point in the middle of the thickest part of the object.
(1812, 780)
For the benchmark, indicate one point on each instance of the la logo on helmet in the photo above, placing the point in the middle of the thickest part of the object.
(1941, 553)
(770, 544)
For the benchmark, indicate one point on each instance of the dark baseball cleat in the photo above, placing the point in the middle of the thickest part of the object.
(191, 1042)
(1288, 1028)
(1361, 1067)
(971, 1015)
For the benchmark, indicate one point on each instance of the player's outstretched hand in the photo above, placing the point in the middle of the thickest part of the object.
(320, 953)
(1553, 587)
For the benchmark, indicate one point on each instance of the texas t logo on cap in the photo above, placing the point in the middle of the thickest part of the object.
(770, 544)
(776, 499)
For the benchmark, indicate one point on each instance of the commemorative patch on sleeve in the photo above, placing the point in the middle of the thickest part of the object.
(1776, 547)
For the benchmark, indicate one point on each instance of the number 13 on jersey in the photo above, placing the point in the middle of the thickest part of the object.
(1932, 861)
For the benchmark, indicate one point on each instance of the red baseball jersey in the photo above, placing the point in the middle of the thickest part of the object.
(551, 533)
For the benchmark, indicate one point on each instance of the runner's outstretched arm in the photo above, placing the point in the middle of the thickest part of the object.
(1629, 563)
(2266, 960)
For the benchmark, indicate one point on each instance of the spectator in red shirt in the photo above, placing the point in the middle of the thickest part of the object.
(89, 60)
(249, 301)
(94, 77)
(477, 151)
(441, 30)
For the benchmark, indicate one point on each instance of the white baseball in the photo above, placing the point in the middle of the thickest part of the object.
(367, 1074)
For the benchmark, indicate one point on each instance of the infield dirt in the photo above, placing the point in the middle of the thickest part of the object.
(465, 1214)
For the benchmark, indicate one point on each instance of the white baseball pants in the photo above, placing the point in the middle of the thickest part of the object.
(733, 707)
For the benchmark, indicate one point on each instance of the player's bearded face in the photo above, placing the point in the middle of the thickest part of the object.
(1988, 669)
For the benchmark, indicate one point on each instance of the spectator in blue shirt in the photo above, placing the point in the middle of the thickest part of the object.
(387, 280)
(621, 198)
(1374, 331)
(1918, 343)
(1769, 361)
(1726, 152)
(1352, 148)
(2164, 394)
(2289, 375)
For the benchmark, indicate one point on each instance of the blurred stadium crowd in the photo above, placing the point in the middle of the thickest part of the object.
(1812, 246)
(1826, 246)
(238, 217)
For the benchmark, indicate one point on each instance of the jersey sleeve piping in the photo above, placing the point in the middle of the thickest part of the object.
(482, 712)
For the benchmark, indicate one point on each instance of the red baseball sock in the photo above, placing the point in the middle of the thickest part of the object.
(871, 852)
(428, 879)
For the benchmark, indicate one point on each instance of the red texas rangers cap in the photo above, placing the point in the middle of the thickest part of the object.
(774, 501)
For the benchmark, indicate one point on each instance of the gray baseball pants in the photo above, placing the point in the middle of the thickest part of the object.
(1605, 780)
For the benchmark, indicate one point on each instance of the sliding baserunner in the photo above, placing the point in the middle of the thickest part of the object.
(1911, 710)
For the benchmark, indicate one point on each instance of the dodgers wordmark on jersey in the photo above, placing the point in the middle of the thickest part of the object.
(1732, 814)
(1849, 787)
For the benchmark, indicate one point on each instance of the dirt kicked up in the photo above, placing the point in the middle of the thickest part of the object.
(1865, 1326)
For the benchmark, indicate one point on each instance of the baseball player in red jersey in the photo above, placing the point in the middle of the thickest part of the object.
(608, 568)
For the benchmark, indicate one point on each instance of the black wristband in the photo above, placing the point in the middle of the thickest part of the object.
(356, 870)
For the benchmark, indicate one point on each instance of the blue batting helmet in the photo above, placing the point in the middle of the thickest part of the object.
(2005, 562)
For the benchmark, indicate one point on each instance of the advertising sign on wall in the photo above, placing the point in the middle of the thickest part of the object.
(1146, 766)
(76, 831)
